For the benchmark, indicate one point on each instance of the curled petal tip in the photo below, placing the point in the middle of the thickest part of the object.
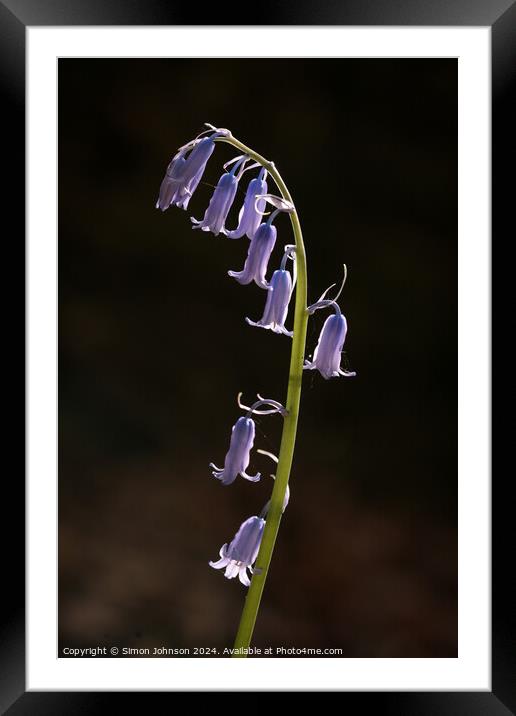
(252, 478)
(278, 202)
(244, 579)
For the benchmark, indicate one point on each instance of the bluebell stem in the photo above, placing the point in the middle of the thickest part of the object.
(243, 432)
(252, 210)
(278, 299)
(242, 551)
(183, 174)
(221, 201)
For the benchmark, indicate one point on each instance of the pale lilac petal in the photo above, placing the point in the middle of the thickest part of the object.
(347, 373)
(231, 570)
(220, 564)
(252, 478)
(242, 575)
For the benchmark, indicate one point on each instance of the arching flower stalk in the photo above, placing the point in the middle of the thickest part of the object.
(250, 551)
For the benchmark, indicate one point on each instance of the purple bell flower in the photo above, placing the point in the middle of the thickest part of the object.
(276, 305)
(184, 173)
(250, 215)
(168, 191)
(329, 348)
(237, 458)
(221, 202)
(242, 551)
(278, 299)
(258, 255)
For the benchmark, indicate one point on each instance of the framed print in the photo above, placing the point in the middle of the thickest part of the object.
(188, 186)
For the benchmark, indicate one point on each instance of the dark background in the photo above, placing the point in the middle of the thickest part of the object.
(153, 349)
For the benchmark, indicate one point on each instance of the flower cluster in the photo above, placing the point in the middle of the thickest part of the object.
(182, 177)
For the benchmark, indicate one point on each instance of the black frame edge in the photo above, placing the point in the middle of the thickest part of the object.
(502, 700)
(503, 58)
(12, 94)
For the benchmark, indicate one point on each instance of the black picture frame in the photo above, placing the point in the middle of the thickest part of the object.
(500, 16)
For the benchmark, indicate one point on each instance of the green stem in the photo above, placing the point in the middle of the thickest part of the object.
(288, 438)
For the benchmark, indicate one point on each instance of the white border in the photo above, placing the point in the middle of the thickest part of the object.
(471, 670)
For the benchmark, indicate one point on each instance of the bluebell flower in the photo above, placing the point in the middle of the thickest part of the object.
(278, 299)
(262, 244)
(252, 209)
(327, 354)
(185, 172)
(243, 431)
(221, 201)
(258, 255)
(237, 458)
(168, 191)
(242, 551)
